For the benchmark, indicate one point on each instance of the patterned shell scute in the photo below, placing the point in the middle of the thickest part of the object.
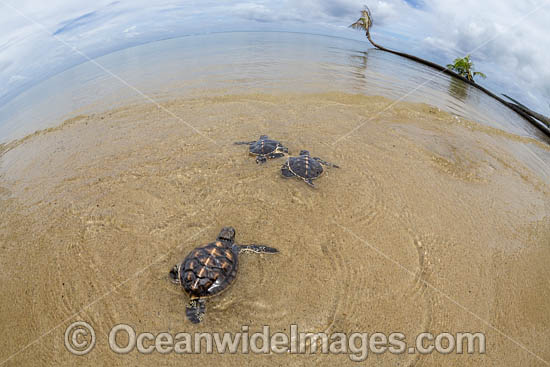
(208, 270)
(305, 166)
(262, 147)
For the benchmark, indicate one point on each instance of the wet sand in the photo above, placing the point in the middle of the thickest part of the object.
(433, 224)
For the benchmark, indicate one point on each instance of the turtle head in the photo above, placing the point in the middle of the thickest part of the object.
(263, 137)
(227, 234)
(304, 152)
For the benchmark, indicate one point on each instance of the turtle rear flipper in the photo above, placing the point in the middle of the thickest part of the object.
(195, 310)
(275, 155)
(244, 142)
(286, 172)
(259, 249)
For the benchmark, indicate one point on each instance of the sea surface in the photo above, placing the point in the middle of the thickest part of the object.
(247, 62)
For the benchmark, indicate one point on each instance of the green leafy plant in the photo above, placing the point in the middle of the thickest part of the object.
(465, 67)
(364, 23)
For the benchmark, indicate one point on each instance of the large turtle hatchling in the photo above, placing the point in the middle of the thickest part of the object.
(265, 148)
(305, 167)
(210, 269)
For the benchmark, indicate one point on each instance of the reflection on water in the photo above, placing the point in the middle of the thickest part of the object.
(360, 63)
(459, 89)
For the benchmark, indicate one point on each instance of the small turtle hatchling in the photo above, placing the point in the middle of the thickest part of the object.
(210, 269)
(265, 148)
(305, 167)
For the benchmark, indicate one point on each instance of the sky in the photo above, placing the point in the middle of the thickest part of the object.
(507, 39)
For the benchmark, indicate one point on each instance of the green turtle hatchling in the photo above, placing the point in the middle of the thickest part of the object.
(264, 148)
(305, 167)
(210, 269)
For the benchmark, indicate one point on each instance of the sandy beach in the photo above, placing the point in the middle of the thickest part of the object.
(432, 224)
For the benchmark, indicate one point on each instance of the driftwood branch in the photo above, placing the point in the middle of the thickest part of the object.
(530, 112)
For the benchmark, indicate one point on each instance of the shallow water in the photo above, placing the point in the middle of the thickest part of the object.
(246, 62)
(432, 223)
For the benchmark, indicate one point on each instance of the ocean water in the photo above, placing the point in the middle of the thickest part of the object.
(246, 62)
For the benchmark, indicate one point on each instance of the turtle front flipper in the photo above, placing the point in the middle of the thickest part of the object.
(309, 181)
(244, 142)
(174, 275)
(325, 163)
(259, 249)
(195, 310)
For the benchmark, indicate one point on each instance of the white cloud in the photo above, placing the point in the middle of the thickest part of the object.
(439, 30)
(516, 48)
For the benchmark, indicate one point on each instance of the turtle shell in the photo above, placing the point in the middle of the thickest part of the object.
(264, 146)
(209, 269)
(305, 166)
